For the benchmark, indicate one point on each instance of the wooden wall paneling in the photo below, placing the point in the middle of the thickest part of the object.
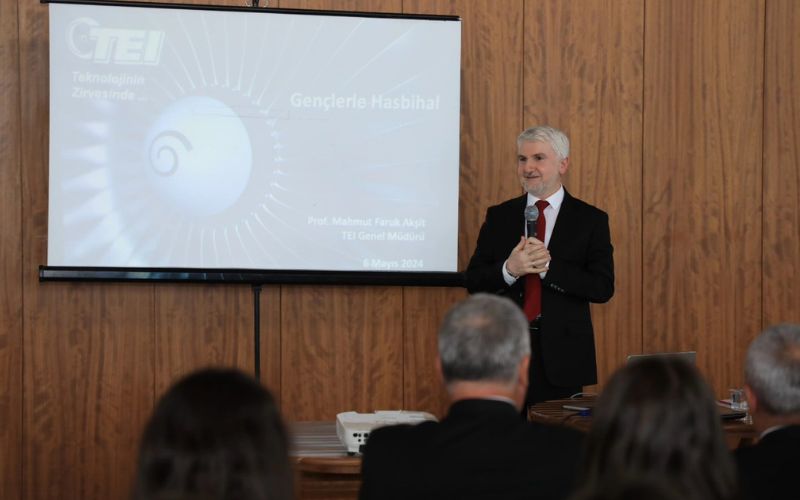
(781, 195)
(342, 350)
(271, 339)
(88, 370)
(423, 310)
(350, 5)
(88, 386)
(201, 325)
(584, 74)
(10, 258)
(702, 180)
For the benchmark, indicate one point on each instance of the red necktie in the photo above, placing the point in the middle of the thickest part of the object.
(533, 283)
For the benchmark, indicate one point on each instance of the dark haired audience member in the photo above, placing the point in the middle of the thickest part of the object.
(215, 435)
(657, 421)
(482, 449)
(772, 386)
(631, 488)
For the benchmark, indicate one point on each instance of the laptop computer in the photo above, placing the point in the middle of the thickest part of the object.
(688, 356)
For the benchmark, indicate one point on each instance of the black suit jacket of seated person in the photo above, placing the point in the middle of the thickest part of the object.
(480, 450)
(767, 469)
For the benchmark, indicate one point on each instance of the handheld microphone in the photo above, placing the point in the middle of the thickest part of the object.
(531, 216)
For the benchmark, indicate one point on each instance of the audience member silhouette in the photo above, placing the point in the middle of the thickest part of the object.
(631, 488)
(772, 386)
(482, 449)
(657, 421)
(215, 435)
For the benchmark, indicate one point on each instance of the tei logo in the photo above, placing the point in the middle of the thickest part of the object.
(87, 39)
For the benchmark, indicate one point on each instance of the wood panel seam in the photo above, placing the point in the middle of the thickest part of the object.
(763, 157)
(21, 247)
(641, 178)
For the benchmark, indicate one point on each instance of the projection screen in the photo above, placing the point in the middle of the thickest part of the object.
(252, 141)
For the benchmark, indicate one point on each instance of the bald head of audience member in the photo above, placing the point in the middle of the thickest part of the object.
(484, 349)
(772, 377)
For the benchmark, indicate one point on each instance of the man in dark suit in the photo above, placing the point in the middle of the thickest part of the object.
(772, 386)
(481, 449)
(552, 275)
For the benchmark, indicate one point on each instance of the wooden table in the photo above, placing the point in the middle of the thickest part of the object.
(737, 432)
(323, 468)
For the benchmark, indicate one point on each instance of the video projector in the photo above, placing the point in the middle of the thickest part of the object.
(353, 428)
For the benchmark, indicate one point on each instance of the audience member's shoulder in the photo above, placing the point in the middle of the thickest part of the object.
(557, 434)
(778, 445)
(396, 443)
(402, 433)
(745, 453)
(630, 488)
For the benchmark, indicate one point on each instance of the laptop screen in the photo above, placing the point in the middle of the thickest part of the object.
(688, 356)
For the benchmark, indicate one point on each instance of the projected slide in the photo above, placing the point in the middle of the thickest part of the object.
(255, 140)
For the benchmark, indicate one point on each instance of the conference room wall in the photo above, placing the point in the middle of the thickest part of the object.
(703, 169)
(10, 259)
(780, 194)
(684, 120)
